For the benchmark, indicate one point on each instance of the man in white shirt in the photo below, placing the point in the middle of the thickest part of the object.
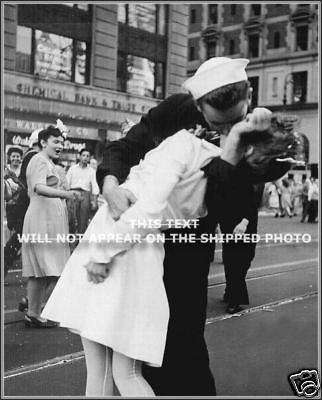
(81, 177)
(313, 199)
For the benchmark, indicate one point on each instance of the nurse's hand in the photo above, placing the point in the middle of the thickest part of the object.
(97, 273)
(234, 149)
(258, 120)
(118, 198)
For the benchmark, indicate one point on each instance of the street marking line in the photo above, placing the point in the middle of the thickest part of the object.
(14, 271)
(65, 359)
(263, 246)
(262, 307)
(215, 285)
(222, 275)
(69, 358)
(264, 267)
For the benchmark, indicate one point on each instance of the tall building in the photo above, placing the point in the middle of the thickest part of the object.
(91, 65)
(281, 41)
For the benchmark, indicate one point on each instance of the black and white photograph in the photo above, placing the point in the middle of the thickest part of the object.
(160, 199)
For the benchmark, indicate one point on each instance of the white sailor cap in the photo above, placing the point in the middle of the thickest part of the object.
(215, 73)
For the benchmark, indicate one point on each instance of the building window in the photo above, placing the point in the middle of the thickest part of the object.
(148, 17)
(192, 55)
(254, 85)
(253, 45)
(142, 16)
(160, 80)
(233, 9)
(51, 56)
(121, 72)
(302, 38)
(213, 14)
(299, 86)
(122, 13)
(211, 49)
(81, 6)
(140, 76)
(23, 49)
(277, 40)
(80, 61)
(162, 19)
(193, 16)
(256, 10)
(59, 57)
(231, 46)
(275, 87)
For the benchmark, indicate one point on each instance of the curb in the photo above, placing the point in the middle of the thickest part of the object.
(13, 317)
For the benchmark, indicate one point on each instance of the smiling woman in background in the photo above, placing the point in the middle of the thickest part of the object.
(46, 217)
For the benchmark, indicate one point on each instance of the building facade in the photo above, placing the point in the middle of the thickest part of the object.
(281, 41)
(91, 65)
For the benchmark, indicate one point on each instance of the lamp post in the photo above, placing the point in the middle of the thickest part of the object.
(288, 79)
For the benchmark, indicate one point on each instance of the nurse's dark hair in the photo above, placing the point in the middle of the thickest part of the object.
(274, 148)
(46, 133)
(226, 96)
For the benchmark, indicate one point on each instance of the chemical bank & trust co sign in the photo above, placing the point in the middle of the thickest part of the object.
(16, 83)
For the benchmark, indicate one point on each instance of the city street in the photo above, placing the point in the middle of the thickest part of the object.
(100, 93)
(251, 353)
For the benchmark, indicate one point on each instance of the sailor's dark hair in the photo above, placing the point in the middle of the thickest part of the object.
(226, 96)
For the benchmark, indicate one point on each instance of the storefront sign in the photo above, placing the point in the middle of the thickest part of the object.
(79, 98)
(29, 126)
(18, 140)
(89, 96)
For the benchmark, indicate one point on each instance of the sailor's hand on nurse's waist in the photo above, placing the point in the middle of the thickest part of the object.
(118, 198)
(96, 272)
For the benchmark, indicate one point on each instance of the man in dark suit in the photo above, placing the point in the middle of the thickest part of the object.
(238, 215)
(219, 97)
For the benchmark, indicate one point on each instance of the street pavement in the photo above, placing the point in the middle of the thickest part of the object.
(251, 353)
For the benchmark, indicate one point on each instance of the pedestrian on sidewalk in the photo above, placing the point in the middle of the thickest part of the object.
(286, 202)
(313, 198)
(238, 216)
(81, 178)
(304, 197)
(12, 171)
(16, 187)
(274, 198)
(22, 201)
(46, 217)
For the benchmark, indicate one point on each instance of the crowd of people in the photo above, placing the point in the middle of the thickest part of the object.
(287, 197)
(142, 330)
(18, 192)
